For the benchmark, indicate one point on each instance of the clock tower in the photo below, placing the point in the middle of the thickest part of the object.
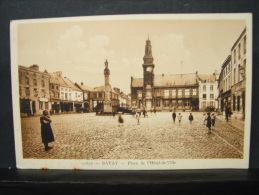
(148, 77)
(107, 108)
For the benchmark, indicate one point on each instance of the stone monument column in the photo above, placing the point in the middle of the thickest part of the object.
(107, 105)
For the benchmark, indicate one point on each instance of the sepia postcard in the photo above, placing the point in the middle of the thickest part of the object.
(132, 92)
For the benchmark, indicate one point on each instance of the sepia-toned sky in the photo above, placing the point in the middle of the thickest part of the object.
(80, 48)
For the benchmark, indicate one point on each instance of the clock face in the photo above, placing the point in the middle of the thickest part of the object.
(149, 69)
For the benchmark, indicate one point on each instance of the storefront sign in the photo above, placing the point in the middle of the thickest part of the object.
(43, 99)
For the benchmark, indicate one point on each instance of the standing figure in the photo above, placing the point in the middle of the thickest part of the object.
(226, 114)
(138, 117)
(139, 112)
(209, 122)
(174, 116)
(213, 119)
(204, 119)
(145, 113)
(120, 120)
(113, 114)
(179, 118)
(190, 118)
(46, 130)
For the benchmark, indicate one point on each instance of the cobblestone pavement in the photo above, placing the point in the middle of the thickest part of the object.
(86, 136)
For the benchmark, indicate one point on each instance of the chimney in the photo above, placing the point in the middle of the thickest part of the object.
(82, 83)
(35, 67)
(58, 73)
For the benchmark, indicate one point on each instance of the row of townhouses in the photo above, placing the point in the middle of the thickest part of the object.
(232, 79)
(40, 91)
(191, 91)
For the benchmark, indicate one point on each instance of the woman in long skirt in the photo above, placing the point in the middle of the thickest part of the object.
(46, 130)
(120, 120)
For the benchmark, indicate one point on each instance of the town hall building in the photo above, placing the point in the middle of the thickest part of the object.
(163, 92)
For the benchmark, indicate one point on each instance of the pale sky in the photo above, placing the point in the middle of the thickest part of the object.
(80, 48)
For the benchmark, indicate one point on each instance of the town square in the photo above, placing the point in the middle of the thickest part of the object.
(91, 137)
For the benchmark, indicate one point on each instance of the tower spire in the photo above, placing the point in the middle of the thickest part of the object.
(148, 58)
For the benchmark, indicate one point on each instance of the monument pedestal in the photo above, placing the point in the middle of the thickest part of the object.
(107, 108)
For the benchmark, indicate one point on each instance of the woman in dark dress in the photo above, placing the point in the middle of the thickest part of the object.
(190, 118)
(209, 122)
(46, 130)
(120, 119)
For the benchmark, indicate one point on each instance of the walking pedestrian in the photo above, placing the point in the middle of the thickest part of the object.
(226, 114)
(174, 116)
(213, 120)
(209, 122)
(120, 120)
(179, 118)
(46, 130)
(190, 118)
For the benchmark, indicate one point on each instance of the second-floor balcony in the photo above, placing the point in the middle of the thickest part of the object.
(240, 86)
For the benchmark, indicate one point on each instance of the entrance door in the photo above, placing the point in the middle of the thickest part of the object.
(33, 107)
(148, 104)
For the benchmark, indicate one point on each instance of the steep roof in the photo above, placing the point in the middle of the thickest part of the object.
(102, 88)
(175, 80)
(71, 84)
(169, 80)
(33, 68)
(137, 82)
(85, 87)
(207, 77)
(55, 79)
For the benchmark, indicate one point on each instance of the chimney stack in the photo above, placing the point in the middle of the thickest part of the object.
(35, 67)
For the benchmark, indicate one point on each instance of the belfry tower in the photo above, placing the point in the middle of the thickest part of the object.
(107, 107)
(148, 77)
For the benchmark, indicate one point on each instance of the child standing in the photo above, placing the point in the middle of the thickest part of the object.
(179, 118)
(137, 117)
(204, 119)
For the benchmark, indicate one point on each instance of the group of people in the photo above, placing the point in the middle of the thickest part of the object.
(208, 120)
(180, 117)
